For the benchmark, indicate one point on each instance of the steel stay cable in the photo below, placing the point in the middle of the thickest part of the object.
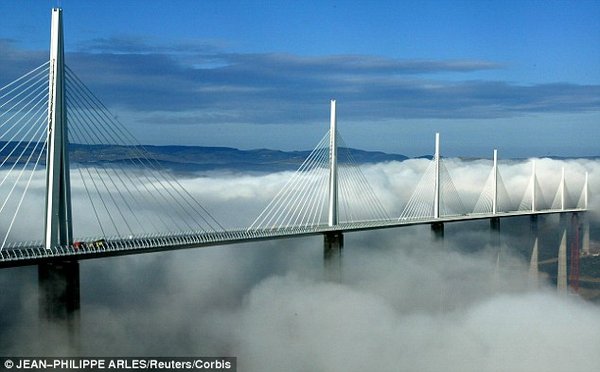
(484, 201)
(317, 203)
(317, 172)
(375, 204)
(308, 198)
(110, 194)
(79, 137)
(22, 197)
(417, 194)
(298, 190)
(345, 195)
(423, 201)
(91, 201)
(116, 188)
(101, 133)
(85, 102)
(34, 106)
(42, 116)
(296, 193)
(264, 215)
(320, 168)
(415, 201)
(319, 189)
(581, 201)
(153, 163)
(44, 77)
(276, 203)
(423, 204)
(372, 204)
(452, 191)
(505, 202)
(77, 133)
(317, 217)
(308, 208)
(305, 196)
(21, 173)
(87, 169)
(525, 201)
(259, 221)
(41, 131)
(33, 91)
(22, 77)
(84, 128)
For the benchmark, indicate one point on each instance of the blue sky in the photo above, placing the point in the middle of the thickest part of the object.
(522, 76)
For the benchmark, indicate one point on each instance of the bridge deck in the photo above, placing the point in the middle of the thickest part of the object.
(33, 255)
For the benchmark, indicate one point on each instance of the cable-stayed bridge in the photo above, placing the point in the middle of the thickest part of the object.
(48, 116)
(60, 206)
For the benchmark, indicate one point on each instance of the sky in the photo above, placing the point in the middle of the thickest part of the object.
(520, 76)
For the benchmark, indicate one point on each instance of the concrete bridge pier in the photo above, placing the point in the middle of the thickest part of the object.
(534, 273)
(59, 302)
(585, 244)
(437, 228)
(561, 276)
(495, 239)
(332, 255)
(495, 224)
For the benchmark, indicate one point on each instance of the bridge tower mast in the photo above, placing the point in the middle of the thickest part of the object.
(495, 183)
(562, 189)
(533, 185)
(437, 227)
(333, 173)
(436, 195)
(585, 246)
(333, 240)
(58, 281)
(495, 221)
(585, 191)
(58, 225)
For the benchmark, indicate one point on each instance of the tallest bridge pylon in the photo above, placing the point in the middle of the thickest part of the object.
(59, 297)
(58, 224)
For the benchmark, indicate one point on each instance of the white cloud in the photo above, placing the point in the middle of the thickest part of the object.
(405, 302)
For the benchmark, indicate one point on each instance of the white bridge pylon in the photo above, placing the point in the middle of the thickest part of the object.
(435, 195)
(124, 199)
(49, 115)
(329, 188)
(494, 197)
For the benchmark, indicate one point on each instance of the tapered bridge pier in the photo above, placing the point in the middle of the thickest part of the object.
(334, 240)
(58, 282)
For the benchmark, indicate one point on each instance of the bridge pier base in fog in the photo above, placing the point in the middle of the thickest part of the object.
(585, 244)
(332, 255)
(534, 273)
(561, 277)
(495, 224)
(575, 252)
(495, 232)
(59, 302)
(561, 274)
(437, 228)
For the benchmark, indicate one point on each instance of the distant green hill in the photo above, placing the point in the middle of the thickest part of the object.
(194, 158)
(198, 158)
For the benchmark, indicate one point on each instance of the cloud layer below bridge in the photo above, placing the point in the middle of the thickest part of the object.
(236, 199)
(404, 300)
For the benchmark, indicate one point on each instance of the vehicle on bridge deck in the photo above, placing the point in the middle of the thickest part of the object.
(101, 243)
